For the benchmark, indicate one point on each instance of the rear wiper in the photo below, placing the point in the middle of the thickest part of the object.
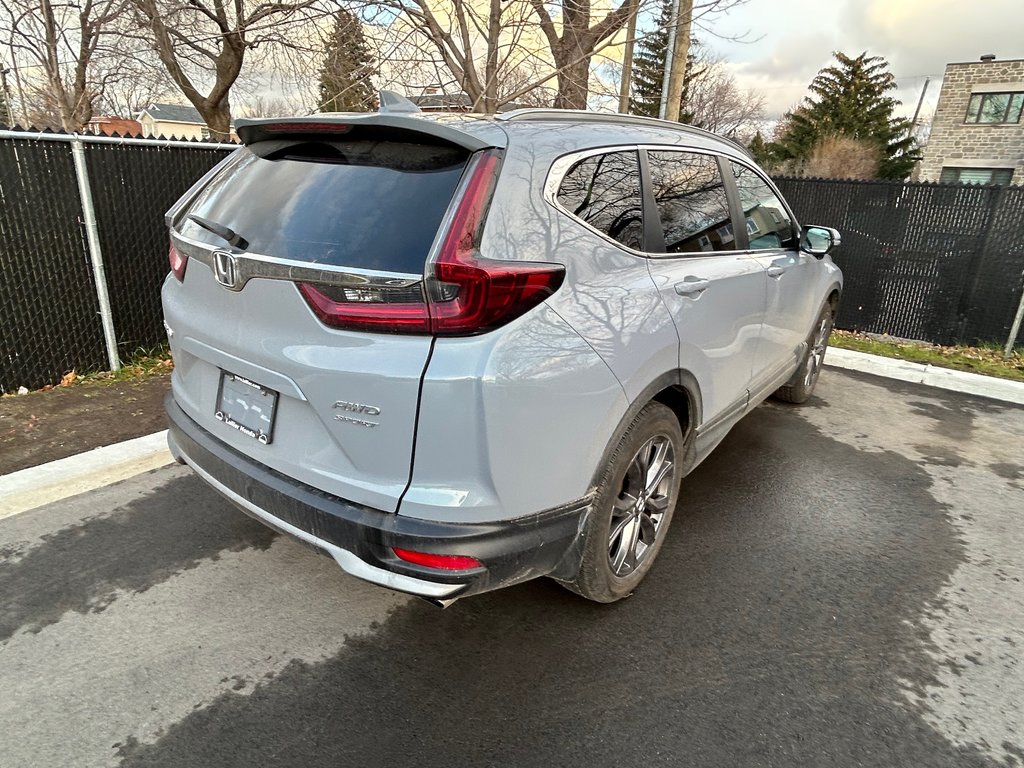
(224, 233)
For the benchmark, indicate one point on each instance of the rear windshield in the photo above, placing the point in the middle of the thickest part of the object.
(366, 204)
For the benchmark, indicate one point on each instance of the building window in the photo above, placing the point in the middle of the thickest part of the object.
(994, 108)
(976, 175)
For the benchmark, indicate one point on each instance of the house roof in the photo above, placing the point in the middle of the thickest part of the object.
(460, 101)
(174, 113)
(442, 101)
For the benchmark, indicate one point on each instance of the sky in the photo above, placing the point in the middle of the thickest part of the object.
(790, 40)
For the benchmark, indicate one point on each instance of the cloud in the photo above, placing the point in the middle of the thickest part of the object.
(793, 39)
(919, 37)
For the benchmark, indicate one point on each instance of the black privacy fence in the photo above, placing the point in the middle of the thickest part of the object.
(934, 262)
(51, 315)
(942, 263)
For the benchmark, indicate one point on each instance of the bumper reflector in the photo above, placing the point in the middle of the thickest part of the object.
(441, 562)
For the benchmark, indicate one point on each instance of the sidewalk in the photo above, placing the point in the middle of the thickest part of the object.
(62, 443)
(41, 427)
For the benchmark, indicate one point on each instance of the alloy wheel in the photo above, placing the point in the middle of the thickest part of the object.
(817, 352)
(641, 507)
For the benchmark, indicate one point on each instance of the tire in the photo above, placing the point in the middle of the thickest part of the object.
(630, 517)
(799, 388)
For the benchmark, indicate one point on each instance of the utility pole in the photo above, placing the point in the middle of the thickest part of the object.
(8, 118)
(669, 58)
(491, 66)
(920, 101)
(627, 57)
(680, 49)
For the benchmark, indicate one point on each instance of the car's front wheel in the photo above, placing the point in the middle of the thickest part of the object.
(799, 388)
(633, 507)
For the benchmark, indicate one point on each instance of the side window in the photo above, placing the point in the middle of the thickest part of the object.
(768, 224)
(604, 191)
(692, 202)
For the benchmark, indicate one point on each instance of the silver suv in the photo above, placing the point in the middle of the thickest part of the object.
(456, 353)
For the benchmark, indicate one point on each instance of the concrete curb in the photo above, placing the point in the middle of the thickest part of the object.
(33, 487)
(943, 378)
(36, 486)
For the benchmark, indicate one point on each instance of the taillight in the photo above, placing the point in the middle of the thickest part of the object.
(441, 562)
(465, 293)
(178, 262)
(368, 310)
(471, 294)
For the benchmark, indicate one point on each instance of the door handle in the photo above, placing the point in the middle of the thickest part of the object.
(691, 286)
(776, 271)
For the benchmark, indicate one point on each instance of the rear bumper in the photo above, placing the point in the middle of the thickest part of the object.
(361, 538)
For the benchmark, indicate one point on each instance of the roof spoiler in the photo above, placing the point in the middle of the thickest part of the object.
(403, 126)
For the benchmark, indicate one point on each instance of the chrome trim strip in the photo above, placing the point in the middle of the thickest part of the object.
(248, 266)
(562, 165)
(349, 563)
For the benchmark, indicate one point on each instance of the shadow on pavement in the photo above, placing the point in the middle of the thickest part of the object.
(777, 628)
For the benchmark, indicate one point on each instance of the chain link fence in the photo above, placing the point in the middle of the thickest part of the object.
(936, 262)
(50, 316)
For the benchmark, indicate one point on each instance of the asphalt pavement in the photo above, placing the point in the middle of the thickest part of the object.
(843, 585)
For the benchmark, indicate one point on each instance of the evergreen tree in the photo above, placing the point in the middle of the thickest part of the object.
(649, 67)
(850, 98)
(649, 70)
(345, 77)
(761, 150)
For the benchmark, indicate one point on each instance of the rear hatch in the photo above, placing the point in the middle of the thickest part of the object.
(297, 307)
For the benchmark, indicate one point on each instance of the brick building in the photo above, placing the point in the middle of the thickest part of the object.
(977, 132)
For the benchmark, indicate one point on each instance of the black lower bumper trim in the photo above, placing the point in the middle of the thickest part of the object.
(511, 551)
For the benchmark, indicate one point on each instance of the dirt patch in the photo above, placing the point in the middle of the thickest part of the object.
(45, 426)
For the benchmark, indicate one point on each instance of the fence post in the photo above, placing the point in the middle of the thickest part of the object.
(1015, 329)
(95, 253)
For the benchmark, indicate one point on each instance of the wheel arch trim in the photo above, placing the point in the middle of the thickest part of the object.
(680, 378)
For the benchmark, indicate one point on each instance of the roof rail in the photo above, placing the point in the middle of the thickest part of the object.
(613, 118)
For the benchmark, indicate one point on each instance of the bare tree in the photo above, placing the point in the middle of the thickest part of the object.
(55, 46)
(713, 101)
(134, 78)
(266, 106)
(479, 44)
(205, 42)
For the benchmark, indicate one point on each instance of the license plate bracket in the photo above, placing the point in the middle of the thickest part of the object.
(246, 406)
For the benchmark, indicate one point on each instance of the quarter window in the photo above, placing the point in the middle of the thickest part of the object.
(692, 203)
(604, 191)
(995, 108)
(768, 224)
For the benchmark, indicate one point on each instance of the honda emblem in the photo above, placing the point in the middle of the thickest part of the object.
(225, 269)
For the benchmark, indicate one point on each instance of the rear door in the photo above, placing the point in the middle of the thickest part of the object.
(715, 293)
(294, 328)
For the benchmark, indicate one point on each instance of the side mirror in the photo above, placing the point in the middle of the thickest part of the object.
(818, 241)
